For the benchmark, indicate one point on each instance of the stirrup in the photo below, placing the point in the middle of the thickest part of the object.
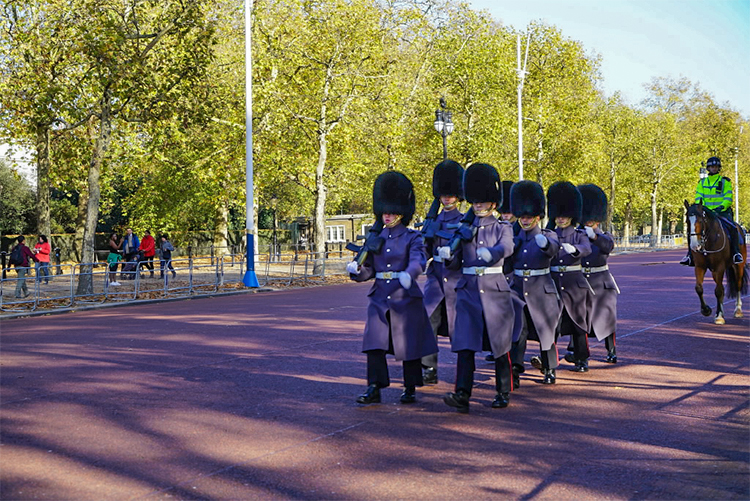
(737, 258)
(685, 261)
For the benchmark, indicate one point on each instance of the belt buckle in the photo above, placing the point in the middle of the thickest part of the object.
(587, 270)
(526, 273)
(387, 275)
(479, 270)
(562, 269)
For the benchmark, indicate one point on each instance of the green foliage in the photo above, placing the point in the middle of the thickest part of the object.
(16, 202)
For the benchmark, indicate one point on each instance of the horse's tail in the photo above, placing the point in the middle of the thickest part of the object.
(737, 286)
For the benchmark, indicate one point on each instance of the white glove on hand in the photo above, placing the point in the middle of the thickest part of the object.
(444, 252)
(484, 254)
(405, 280)
(590, 232)
(353, 268)
(568, 248)
(541, 241)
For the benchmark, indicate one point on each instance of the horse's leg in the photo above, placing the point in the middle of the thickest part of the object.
(699, 274)
(739, 271)
(719, 292)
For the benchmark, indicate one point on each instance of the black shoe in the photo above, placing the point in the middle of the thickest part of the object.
(549, 376)
(409, 396)
(174, 274)
(536, 363)
(430, 376)
(737, 258)
(687, 260)
(490, 357)
(611, 358)
(581, 366)
(569, 357)
(459, 400)
(151, 275)
(371, 396)
(501, 401)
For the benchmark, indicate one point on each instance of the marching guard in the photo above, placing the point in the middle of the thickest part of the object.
(484, 311)
(534, 249)
(603, 311)
(565, 206)
(440, 287)
(397, 322)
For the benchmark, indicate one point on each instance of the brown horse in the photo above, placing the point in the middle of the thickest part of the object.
(709, 246)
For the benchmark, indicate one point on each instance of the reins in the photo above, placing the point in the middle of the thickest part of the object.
(702, 235)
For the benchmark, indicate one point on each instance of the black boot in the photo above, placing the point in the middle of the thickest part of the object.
(501, 401)
(516, 378)
(459, 400)
(611, 357)
(549, 376)
(581, 366)
(409, 396)
(536, 362)
(570, 357)
(687, 260)
(429, 376)
(371, 396)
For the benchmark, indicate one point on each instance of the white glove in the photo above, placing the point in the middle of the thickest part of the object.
(444, 252)
(405, 280)
(353, 268)
(541, 241)
(484, 254)
(590, 232)
(568, 248)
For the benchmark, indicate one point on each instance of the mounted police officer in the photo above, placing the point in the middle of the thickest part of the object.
(565, 206)
(397, 322)
(715, 192)
(534, 249)
(484, 309)
(440, 288)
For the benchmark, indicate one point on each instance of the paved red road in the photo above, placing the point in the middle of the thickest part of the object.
(252, 396)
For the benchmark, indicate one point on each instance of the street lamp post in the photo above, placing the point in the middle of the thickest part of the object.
(444, 125)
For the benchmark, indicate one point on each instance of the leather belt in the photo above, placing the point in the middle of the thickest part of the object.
(482, 270)
(531, 273)
(595, 269)
(563, 269)
(389, 275)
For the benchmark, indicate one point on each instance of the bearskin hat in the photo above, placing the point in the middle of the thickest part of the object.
(505, 207)
(594, 203)
(482, 184)
(564, 200)
(448, 179)
(393, 193)
(527, 199)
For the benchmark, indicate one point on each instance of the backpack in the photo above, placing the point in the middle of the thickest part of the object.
(16, 255)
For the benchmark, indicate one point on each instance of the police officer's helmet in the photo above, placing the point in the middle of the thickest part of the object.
(714, 161)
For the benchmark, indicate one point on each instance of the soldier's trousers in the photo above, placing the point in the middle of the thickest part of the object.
(439, 323)
(377, 370)
(465, 372)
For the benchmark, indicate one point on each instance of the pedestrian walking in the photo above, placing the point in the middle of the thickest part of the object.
(165, 256)
(148, 248)
(484, 309)
(42, 251)
(20, 257)
(440, 286)
(534, 249)
(397, 322)
(113, 258)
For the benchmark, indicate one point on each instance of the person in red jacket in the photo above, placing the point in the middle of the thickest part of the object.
(42, 251)
(148, 246)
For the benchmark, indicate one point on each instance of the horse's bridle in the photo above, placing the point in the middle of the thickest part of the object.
(702, 235)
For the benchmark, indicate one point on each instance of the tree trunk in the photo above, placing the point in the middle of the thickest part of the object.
(320, 204)
(221, 230)
(660, 219)
(42, 180)
(85, 279)
(628, 224)
(83, 200)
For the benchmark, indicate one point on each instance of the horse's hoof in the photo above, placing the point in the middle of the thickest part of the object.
(738, 314)
(706, 311)
(719, 320)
